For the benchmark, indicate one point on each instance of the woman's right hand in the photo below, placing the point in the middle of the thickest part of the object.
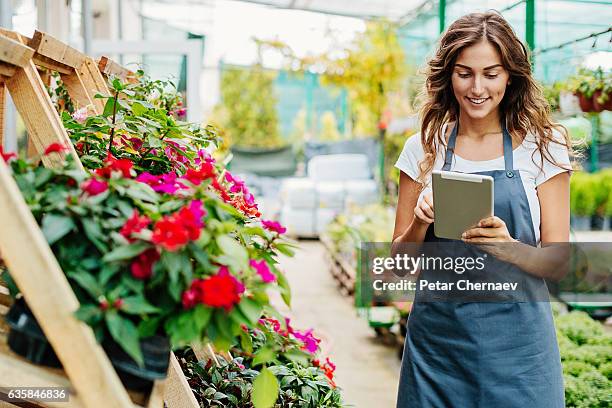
(424, 210)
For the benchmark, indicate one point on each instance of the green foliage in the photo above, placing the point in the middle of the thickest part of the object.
(591, 193)
(329, 128)
(372, 68)
(247, 113)
(588, 81)
(586, 353)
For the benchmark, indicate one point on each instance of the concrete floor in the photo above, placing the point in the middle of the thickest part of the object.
(367, 371)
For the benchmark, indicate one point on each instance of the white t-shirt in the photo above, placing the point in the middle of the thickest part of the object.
(412, 154)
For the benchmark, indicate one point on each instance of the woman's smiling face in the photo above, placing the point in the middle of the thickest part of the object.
(479, 80)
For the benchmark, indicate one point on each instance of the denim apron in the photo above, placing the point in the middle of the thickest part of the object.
(484, 354)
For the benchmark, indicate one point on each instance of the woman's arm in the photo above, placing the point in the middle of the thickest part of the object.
(550, 261)
(408, 227)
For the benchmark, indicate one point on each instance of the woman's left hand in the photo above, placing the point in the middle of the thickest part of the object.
(488, 230)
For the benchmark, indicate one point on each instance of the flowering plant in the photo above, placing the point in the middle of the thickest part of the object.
(141, 262)
(142, 124)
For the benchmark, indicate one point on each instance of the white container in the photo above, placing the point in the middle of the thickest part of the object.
(339, 167)
(299, 222)
(361, 192)
(299, 193)
(330, 194)
(324, 216)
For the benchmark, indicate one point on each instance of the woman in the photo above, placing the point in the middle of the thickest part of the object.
(485, 114)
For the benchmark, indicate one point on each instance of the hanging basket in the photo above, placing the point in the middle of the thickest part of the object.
(607, 105)
(586, 103)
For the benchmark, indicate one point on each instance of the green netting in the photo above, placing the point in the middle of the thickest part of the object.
(556, 22)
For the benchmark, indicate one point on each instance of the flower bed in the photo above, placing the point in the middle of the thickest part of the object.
(586, 354)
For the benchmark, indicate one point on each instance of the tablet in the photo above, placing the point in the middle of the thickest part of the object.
(460, 201)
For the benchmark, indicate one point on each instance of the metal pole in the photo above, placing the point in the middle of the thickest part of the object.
(10, 115)
(530, 23)
(87, 23)
(442, 15)
(594, 156)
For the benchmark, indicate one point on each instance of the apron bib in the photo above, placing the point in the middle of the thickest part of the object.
(501, 354)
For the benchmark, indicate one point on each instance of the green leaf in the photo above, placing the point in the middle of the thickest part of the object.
(154, 141)
(251, 309)
(265, 389)
(148, 327)
(138, 305)
(298, 356)
(246, 343)
(109, 107)
(142, 191)
(55, 227)
(87, 282)
(281, 279)
(263, 355)
(201, 316)
(285, 249)
(173, 262)
(138, 109)
(232, 248)
(125, 334)
(126, 252)
(89, 314)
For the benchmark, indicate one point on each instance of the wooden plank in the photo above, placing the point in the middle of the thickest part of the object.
(76, 90)
(94, 83)
(50, 297)
(7, 70)
(13, 52)
(109, 67)
(50, 47)
(38, 113)
(2, 109)
(156, 399)
(48, 63)
(177, 392)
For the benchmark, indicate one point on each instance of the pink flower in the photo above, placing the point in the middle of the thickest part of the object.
(94, 186)
(274, 226)
(262, 269)
(165, 183)
(80, 115)
(311, 343)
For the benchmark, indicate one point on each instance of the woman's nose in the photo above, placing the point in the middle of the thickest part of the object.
(477, 86)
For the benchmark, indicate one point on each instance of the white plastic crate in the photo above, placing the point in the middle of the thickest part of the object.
(339, 167)
(299, 193)
(298, 221)
(330, 194)
(361, 192)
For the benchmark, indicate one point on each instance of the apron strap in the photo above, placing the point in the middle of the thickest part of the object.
(508, 154)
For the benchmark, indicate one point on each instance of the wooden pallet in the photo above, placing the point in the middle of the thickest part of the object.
(110, 68)
(344, 273)
(88, 372)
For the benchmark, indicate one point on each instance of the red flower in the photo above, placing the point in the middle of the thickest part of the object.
(7, 156)
(274, 226)
(142, 267)
(190, 298)
(135, 223)
(220, 290)
(206, 171)
(170, 234)
(94, 186)
(55, 148)
(113, 164)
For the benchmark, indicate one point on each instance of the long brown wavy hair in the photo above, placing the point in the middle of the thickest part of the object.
(523, 105)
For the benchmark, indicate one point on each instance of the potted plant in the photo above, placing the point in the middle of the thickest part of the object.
(582, 201)
(275, 365)
(181, 263)
(593, 89)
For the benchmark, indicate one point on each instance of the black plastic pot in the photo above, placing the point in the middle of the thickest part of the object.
(597, 222)
(26, 338)
(156, 353)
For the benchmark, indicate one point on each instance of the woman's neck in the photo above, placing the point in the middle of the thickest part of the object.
(479, 128)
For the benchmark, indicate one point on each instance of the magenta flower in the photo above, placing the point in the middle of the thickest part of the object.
(263, 270)
(311, 343)
(274, 226)
(80, 115)
(94, 187)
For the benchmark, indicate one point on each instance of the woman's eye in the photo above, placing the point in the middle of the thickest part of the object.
(463, 75)
(492, 76)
